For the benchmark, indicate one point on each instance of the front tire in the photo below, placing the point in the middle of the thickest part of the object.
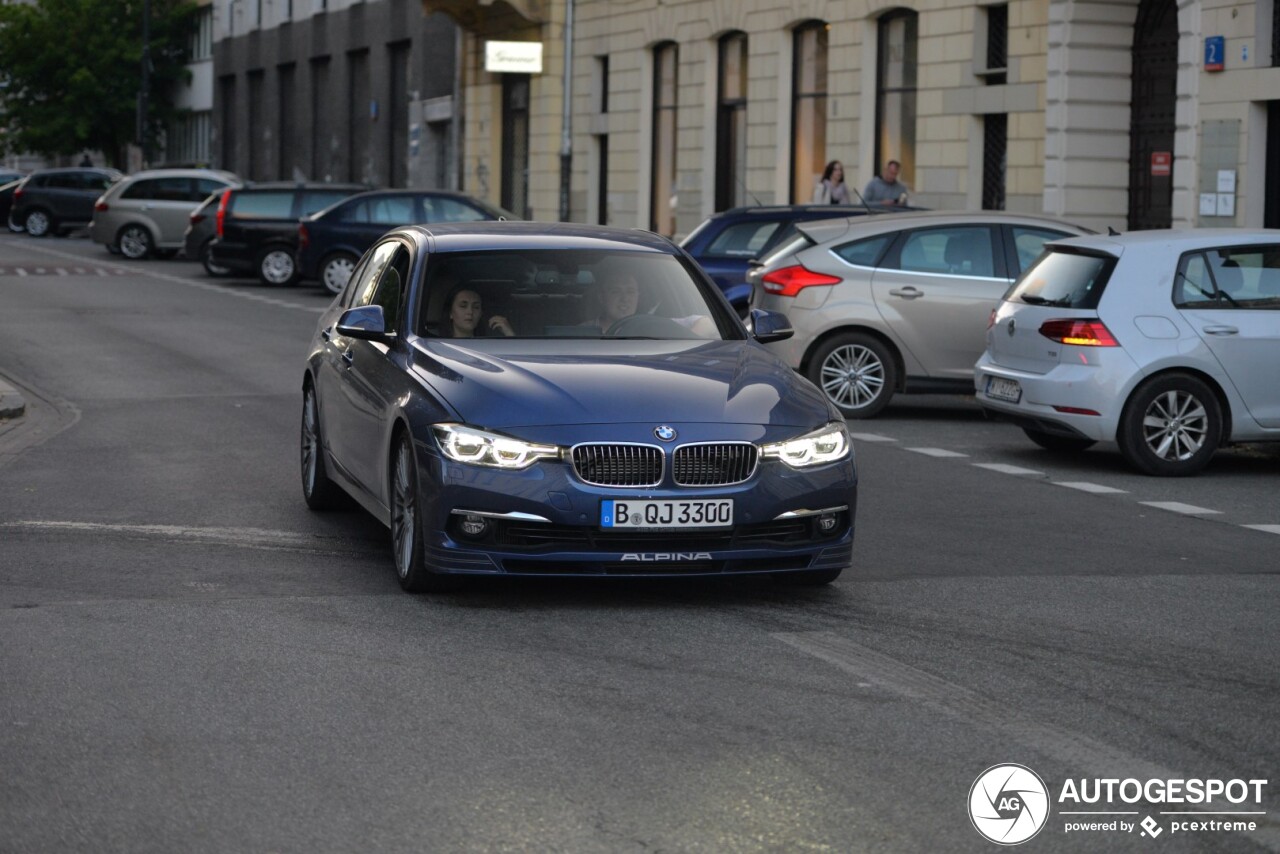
(134, 242)
(318, 490)
(276, 267)
(406, 525)
(1058, 444)
(857, 372)
(1171, 426)
(336, 271)
(38, 223)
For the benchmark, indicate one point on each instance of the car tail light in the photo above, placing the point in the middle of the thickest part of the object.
(991, 319)
(17, 193)
(789, 281)
(101, 206)
(1075, 410)
(304, 239)
(1079, 333)
(196, 218)
(222, 211)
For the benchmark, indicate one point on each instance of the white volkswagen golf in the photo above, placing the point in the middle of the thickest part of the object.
(1164, 342)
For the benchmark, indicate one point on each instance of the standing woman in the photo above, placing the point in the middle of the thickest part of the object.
(832, 190)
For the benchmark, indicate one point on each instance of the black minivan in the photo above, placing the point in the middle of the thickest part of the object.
(257, 227)
(55, 201)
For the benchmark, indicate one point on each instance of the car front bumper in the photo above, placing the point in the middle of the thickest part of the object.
(545, 521)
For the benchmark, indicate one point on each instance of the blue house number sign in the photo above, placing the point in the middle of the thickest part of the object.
(1215, 51)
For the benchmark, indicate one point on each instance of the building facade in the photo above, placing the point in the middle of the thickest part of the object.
(1105, 113)
(335, 90)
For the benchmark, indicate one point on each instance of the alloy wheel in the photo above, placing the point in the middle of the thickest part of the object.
(277, 267)
(404, 510)
(310, 443)
(1175, 425)
(37, 223)
(134, 243)
(853, 376)
(337, 272)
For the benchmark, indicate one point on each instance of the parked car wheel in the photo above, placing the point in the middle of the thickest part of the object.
(406, 528)
(206, 258)
(336, 271)
(38, 223)
(134, 242)
(856, 372)
(276, 266)
(1171, 426)
(1058, 444)
(318, 490)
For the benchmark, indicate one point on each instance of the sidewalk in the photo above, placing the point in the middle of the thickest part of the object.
(12, 403)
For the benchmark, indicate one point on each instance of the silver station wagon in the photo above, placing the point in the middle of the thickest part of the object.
(882, 305)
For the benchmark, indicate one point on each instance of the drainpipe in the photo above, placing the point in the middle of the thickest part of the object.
(459, 165)
(566, 140)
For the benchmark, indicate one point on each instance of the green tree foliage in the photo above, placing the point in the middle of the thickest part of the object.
(70, 72)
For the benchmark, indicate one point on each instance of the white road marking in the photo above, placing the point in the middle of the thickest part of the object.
(1074, 749)
(1266, 529)
(191, 283)
(1179, 507)
(254, 538)
(936, 452)
(871, 437)
(1084, 486)
(1004, 468)
(21, 271)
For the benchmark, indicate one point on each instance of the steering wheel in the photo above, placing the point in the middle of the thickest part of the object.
(648, 326)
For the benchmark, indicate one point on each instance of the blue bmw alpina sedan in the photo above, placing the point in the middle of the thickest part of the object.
(567, 400)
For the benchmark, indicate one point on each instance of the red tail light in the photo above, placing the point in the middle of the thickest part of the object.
(101, 206)
(304, 239)
(17, 193)
(196, 218)
(222, 211)
(789, 281)
(1079, 333)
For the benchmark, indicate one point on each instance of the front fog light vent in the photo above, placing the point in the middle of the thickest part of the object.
(474, 526)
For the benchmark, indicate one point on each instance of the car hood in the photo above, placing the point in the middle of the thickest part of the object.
(520, 382)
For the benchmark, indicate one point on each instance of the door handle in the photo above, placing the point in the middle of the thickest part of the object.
(1221, 330)
(349, 357)
(908, 292)
(324, 333)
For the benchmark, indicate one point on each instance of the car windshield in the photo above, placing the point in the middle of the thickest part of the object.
(1063, 278)
(568, 294)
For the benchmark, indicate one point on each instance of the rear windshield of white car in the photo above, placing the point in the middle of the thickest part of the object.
(1064, 278)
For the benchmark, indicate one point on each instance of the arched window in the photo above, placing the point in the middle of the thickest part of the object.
(731, 123)
(808, 109)
(896, 93)
(662, 192)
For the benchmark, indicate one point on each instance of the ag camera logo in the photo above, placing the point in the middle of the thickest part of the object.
(1008, 804)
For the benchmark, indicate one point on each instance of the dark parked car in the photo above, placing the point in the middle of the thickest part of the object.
(55, 201)
(727, 242)
(330, 242)
(9, 175)
(617, 420)
(202, 228)
(257, 226)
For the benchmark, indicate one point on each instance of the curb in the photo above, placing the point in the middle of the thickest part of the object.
(12, 403)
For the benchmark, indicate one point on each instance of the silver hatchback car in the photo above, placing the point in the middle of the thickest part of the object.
(146, 213)
(895, 304)
(1164, 342)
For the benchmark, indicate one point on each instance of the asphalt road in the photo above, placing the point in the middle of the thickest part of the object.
(190, 660)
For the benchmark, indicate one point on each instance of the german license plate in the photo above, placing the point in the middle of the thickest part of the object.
(642, 514)
(1003, 389)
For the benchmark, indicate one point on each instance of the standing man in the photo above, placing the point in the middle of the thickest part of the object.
(887, 190)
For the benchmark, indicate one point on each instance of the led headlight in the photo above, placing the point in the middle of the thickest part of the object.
(825, 445)
(479, 447)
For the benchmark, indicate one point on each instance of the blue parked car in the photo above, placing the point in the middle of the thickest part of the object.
(331, 241)
(557, 399)
(727, 242)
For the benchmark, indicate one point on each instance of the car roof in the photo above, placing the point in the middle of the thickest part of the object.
(1174, 239)
(64, 169)
(519, 234)
(182, 172)
(301, 185)
(833, 229)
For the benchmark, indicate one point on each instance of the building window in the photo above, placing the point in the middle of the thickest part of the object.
(808, 109)
(995, 72)
(187, 142)
(662, 192)
(731, 123)
(995, 144)
(1275, 34)
(602, 143)
(200, 45)
(896, 93)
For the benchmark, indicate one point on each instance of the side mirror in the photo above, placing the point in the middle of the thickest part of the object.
(769, 326)
(366, 323)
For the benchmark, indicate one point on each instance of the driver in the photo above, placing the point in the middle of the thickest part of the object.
(619, 298)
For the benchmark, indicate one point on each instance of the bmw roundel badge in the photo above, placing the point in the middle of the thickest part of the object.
(665, 433)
